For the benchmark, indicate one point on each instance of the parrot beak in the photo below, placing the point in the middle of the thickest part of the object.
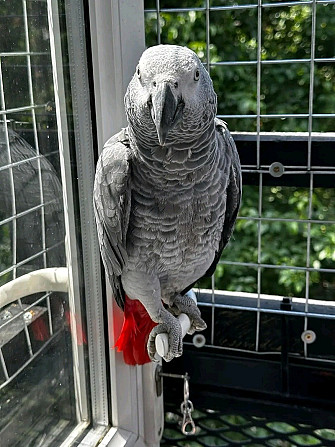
(165, 110)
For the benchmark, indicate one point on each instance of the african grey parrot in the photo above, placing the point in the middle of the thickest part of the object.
(166, 196)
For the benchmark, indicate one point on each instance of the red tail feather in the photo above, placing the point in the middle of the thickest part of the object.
(136, 328)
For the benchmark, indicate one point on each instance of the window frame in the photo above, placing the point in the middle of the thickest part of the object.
(92, 401)
(71, 249)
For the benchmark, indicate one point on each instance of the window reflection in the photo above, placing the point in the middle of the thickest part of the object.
(38, 202)
(34, 336)
(37, 398)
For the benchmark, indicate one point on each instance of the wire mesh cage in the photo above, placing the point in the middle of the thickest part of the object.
(270, 305)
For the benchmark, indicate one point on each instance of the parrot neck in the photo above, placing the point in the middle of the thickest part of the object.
(179, 157)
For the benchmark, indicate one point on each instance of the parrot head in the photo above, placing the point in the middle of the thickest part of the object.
(170, 96)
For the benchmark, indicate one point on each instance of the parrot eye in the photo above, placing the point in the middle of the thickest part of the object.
(196, 75)
(138, 72)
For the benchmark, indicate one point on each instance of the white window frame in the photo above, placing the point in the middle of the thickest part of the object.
(80, 377)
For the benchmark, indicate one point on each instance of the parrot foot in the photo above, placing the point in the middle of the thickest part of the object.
(170, 325)
(186, 305)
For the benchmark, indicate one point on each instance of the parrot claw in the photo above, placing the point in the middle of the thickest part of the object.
(172, 327)
(186, 305)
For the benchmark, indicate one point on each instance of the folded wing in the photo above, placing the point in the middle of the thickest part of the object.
(111, 200)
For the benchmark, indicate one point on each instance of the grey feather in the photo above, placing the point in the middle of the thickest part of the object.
(112, 206)
(234, 193)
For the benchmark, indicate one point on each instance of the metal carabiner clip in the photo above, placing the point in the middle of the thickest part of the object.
(188, 426)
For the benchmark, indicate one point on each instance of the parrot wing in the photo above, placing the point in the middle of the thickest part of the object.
(111, 200)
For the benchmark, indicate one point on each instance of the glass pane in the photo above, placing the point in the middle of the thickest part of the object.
(12, 26)
(42, 79)
(37, 18)
(15, 82)
(38, 396)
